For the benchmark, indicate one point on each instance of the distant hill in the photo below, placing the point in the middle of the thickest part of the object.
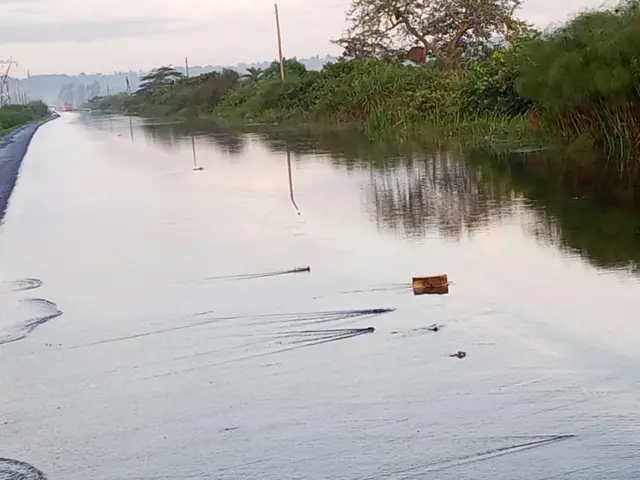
(56, 89)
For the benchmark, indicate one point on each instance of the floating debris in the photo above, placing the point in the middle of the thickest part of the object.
(437, 285)
(459, 354)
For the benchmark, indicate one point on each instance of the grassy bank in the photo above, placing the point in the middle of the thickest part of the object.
(381, 97)
(14, 116)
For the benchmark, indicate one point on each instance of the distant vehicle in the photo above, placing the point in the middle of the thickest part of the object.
(68, 107)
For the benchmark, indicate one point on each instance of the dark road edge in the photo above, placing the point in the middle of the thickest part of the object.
(13, 149)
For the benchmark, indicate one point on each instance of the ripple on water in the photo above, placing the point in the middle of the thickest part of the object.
(15, 470)
(20, 317)
(20, 285)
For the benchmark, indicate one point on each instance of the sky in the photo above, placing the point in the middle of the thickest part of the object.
(73, 36)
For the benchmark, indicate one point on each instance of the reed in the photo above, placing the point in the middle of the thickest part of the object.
(585, 80)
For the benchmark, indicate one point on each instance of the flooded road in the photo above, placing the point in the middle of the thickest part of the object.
(150, 330)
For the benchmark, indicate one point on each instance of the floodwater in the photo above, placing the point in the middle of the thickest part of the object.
(149, 328)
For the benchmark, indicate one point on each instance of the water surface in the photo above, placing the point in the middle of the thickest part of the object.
(165, 361)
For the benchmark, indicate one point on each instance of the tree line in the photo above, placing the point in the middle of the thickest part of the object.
(78, 94)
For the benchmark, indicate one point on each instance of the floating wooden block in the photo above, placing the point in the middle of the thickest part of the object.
(438, 285)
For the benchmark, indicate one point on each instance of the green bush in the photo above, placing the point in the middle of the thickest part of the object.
(12, 116)
(585, 79)
(379, 95)
(488, 89)
(271, 99)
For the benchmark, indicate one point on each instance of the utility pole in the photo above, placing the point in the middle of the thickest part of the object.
(108, 90)
(186, 65)
(279, 44)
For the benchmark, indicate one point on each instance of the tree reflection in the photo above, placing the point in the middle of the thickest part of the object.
(419, 188)
(608, 235)
(434, 194)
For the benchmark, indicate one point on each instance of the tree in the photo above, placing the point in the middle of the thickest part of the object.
(214, 86)
(445, 29)
(93, 90)
(81, 94)
(67, 93)
(159, 77)
(292, 67)
(253, 74)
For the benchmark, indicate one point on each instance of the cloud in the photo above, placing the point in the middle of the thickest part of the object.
(85, 31)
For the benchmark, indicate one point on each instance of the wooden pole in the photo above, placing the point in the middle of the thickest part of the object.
(186, 65)
(279, 44)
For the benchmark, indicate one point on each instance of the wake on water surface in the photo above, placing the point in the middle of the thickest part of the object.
(20, 285)
(15, 470)
(21, 316)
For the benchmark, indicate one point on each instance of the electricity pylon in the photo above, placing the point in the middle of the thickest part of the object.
(5, 94)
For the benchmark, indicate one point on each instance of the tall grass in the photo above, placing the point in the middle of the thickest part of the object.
(383, 98)
(585, 79)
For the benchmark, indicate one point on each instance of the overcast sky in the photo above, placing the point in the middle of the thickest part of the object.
(72, 36)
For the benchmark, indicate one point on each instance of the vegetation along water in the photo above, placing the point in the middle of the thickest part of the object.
(13, 116)
(447, 70)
